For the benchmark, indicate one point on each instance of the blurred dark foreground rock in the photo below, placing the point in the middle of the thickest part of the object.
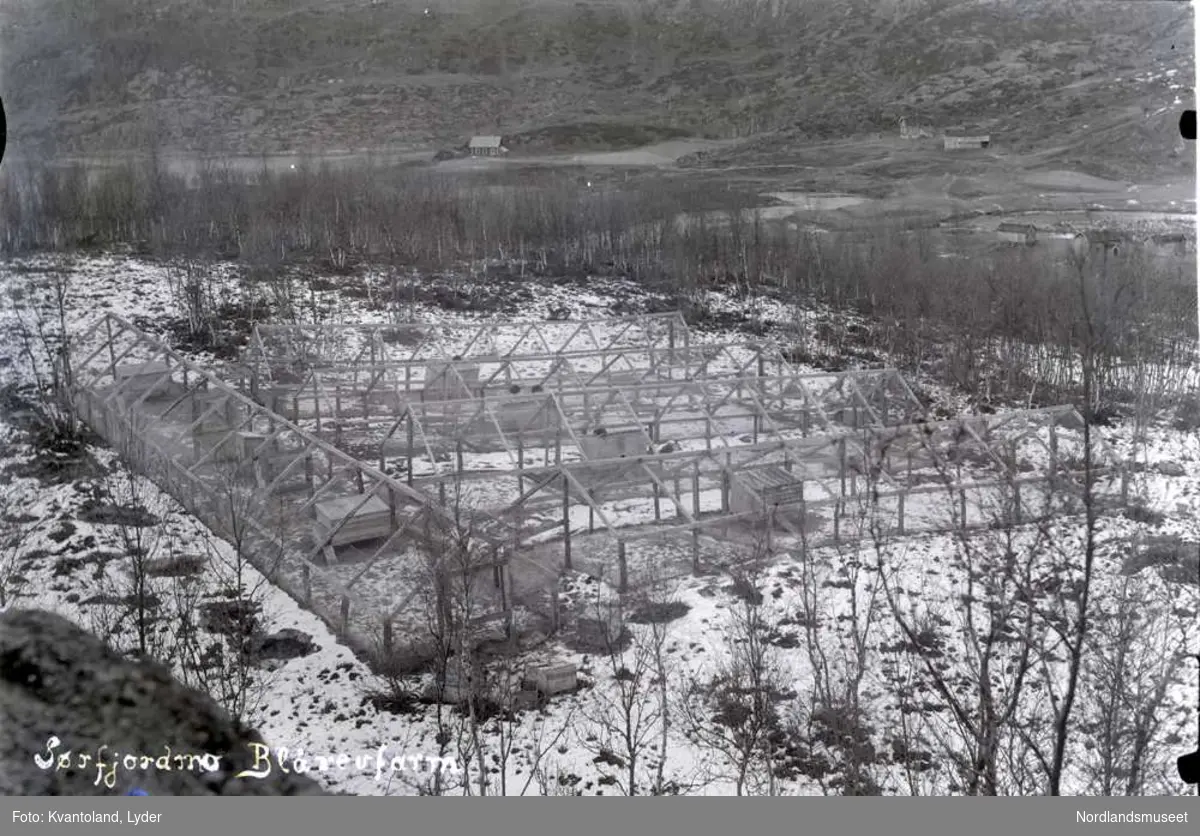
(57, 680)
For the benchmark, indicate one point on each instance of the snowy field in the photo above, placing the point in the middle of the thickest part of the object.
(874, 651)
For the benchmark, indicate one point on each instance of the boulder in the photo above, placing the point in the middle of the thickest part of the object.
(60, 683)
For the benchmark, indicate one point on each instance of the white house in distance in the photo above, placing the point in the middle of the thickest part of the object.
(486, 146)
(955, 143)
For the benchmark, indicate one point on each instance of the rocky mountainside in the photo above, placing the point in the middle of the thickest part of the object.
(262, 75)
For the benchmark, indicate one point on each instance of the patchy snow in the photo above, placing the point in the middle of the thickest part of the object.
(318, 705)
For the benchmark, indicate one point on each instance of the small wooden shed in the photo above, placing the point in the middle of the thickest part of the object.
(956, 143)
(486, 146)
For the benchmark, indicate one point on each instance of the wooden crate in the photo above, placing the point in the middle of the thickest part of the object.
(614, 443)
(371, 522)
(556, 679)
(140, 378)
(515, 416)
(441, 384)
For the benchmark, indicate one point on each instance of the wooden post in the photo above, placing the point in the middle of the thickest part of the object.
(520, 465)
(566, 507)
(657, 503)
(962, 506)
(306, 578)
(555, 614)
(309, 474)
(695, 551)
(506, 594)
(558, 441)
(842, 463)
(408, 419)
(591, 513)
(622, 568)
(316, 402)
(696, 489)
(458, 452)
(387, 639)
(112, 352)
(345, 615)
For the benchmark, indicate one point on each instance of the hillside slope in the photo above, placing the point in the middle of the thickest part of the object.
(263, 75)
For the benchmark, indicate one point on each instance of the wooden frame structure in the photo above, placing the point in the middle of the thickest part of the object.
(630, 429)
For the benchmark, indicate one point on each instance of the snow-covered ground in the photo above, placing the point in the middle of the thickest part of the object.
(872, 642)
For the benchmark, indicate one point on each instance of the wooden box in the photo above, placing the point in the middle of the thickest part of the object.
(371, 522)
(555, 679)
(142, 378)
(442, 384)
(613, 443)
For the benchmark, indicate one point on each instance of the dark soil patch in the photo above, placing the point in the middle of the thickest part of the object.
(56, 465)
(593, 641)
(148, 602)
(70, 564)
(399, 702)
(65, 531)
(284, 645)
(231, 617)
(107, 513)
(1177, 561)
(659, 612)
(743, 590)
(226, 332)
(181, 566)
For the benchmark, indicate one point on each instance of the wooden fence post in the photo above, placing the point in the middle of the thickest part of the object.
(566, 522)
